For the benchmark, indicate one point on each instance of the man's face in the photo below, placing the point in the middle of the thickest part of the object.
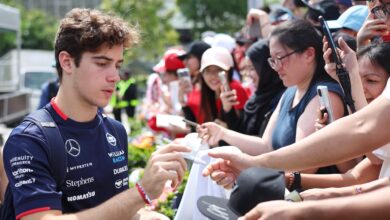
(95, 78)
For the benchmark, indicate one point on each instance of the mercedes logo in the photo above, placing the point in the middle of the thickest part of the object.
(72, 147)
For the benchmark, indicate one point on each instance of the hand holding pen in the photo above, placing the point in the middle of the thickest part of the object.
(188, 156)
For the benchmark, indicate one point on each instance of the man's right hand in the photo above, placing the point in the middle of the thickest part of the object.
(165, 164)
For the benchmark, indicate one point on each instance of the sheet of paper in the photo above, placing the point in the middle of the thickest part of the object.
(165, 121)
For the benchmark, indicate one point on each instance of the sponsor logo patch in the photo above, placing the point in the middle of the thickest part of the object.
(72, 147)
(80, 182)
(81, 197)
(121, 170)
(118, 183)
(111, 139)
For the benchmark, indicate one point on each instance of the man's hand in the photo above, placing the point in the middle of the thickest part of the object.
(210, 133)
(231, 161)
(165, 164)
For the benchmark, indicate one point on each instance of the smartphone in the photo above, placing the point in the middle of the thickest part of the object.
(184, 75)
(329, 38)
(194, 124)
(224, 82)
(254, 29)
(323, 93)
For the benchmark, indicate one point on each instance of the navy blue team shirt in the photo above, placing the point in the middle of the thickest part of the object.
(96, 171)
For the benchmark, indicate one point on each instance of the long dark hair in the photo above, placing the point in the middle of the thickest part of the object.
(378, 54)
(208, 105)
(299, 35)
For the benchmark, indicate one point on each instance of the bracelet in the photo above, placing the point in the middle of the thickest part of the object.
(290, 181)
(143, 194)
(297, 181)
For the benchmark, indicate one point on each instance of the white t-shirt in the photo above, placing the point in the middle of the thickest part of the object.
(384, 152)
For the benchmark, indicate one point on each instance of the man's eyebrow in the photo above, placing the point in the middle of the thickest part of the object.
(105, 58)
(102, 58)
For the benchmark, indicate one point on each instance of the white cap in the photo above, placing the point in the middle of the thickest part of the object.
(217, 56)
(224, 40)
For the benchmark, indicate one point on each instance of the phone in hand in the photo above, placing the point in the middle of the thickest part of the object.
(194, 124)
(224, 81)
(323, 93)
(254, 30)
(329, 38)
(184, 76)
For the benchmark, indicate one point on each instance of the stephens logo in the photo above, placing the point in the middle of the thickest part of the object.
(72, 147)
(80, 182)
(111, 139)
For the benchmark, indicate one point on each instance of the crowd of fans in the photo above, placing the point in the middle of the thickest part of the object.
(272, 101)
(257, 91)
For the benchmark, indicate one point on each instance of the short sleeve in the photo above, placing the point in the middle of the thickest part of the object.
(28, 170)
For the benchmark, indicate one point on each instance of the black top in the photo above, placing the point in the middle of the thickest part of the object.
(262, 103)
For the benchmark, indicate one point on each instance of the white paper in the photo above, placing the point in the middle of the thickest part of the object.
(167, 121)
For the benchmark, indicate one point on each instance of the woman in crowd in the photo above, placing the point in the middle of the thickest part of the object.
(296, 54)
(268, 90)
(189, 93)
(374, 70)
(214, 61)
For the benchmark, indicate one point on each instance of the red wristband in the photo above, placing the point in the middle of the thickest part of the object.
(143, 194)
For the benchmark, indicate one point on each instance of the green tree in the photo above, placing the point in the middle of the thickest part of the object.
(153, 21)
(38, 29)
(226, 16)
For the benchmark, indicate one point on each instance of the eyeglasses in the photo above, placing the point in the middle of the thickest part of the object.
(381, 11)
(276, 63)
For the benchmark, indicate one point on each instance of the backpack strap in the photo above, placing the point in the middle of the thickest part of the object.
(56, 146)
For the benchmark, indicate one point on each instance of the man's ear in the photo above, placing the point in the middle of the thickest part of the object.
(66, 62)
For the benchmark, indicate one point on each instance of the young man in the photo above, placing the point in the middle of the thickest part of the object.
(89, 52)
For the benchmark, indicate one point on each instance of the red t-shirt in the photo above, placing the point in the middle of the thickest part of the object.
(242, 96)
(193, 101)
